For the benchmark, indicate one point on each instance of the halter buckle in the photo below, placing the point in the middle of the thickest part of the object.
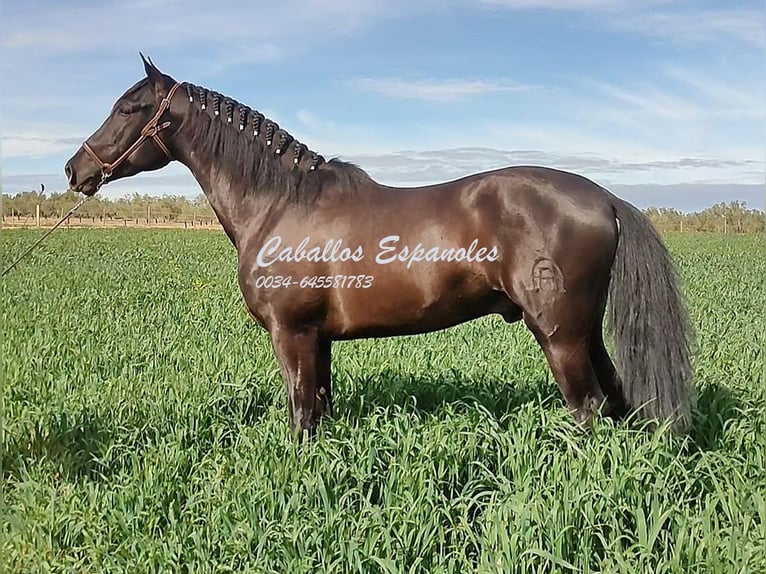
(106, 173)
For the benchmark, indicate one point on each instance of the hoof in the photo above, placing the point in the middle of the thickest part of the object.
(583, 418)
(303, 425)
(303, 434)
(584, 414)
(323, 403)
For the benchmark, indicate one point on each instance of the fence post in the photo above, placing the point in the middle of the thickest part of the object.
(37, 214)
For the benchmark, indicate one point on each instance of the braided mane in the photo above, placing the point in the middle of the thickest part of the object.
(260, 156)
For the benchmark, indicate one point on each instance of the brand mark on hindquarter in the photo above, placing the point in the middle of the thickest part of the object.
(546, 276)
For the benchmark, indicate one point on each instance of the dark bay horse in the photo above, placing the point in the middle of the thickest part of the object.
(326, 253)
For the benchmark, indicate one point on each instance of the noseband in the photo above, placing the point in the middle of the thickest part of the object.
(150, 130)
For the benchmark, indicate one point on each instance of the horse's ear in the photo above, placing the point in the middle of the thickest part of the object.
(154, 75)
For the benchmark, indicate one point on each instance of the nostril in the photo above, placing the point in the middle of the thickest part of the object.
(69, 174)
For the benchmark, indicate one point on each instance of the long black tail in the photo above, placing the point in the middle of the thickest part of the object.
(649, 323)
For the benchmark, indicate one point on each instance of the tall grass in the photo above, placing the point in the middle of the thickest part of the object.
(146, 431)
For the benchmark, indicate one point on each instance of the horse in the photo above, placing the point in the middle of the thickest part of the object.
(325, 253)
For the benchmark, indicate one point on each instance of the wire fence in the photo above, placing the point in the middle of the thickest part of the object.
(733, 222)
(132, 218)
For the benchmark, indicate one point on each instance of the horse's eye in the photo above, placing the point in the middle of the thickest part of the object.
(125, 111)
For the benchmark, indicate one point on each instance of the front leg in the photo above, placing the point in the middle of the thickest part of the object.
(297, 351)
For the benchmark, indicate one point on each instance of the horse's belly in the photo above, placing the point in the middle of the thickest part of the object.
(411, 302)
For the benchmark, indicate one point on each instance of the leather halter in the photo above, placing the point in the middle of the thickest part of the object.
(150, 130)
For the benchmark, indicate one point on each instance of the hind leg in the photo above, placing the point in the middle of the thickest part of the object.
(567, 352)
(561, 304)
(607, 375)
(561, 317)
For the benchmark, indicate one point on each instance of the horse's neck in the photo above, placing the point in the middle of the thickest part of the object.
(235, 212)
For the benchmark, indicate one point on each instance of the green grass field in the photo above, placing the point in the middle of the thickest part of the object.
(146, 431)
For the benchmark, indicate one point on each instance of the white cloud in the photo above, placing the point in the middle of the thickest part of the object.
(412, 168)
(730, 96)
(273, 30)
(438, 90)
(697, 114)
(422, 167)
(36, 147)
(683, 22)
(667, 111)
(267, 29)
(690, 25)
(650, 100)
(563, 5)
(39, 143)
(331, 138)
(433, 166)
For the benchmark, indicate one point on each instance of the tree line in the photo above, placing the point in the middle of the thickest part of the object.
(133, 207)
(732, 217)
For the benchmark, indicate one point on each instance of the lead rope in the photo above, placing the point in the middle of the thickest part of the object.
(51, 230)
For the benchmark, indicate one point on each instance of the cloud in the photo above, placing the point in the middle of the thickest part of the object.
(330, 137)
(559, 5)
(650, 100)
(38, 146)
(673, 93)
(666, 110)
(263, 30)
(437, 90)
(410, 168)
(692, 122)
(692, 26)
(106, 37)
(723, 96)
(683, 22)
(266, 31)
(421, 167)
(686, 197)
(580, 142)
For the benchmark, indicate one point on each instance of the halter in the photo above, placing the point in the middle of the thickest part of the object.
(150, 130)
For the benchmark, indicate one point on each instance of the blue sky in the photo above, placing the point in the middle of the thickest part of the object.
(645, 97)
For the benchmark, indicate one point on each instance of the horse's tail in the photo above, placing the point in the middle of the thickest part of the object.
(649, 323)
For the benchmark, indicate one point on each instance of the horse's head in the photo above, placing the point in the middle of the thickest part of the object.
(120, 147)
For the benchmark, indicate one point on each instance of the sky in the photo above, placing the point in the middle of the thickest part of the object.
(660, 100)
